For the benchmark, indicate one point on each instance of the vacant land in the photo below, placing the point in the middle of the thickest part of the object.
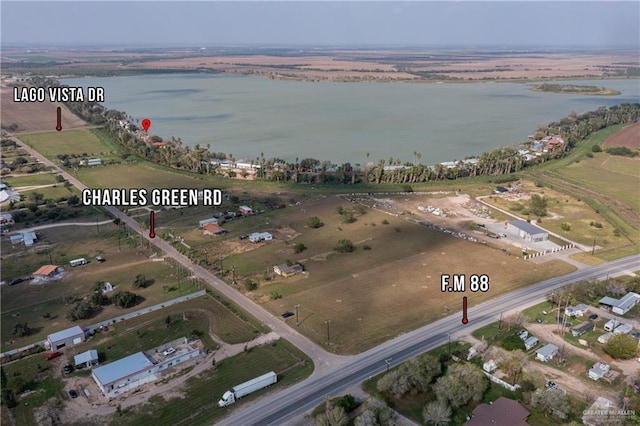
(628, 136)
(388, 285)
(81, 142)
(34, 116)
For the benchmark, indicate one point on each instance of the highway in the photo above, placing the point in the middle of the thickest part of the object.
(279, 407)
(334, 374)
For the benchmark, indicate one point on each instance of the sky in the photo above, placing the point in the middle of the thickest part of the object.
(322, 23)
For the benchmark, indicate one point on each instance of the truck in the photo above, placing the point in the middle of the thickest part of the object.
(78, 262)
(243, 389)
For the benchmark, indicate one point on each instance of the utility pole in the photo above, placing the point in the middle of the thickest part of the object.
(593, 250)
(500, 322)
(297, 306)
(233, 274)
(97, 225)
(449, 335)
(328, 337)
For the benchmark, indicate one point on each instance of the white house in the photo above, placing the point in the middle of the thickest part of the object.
(490, 366)
(256, 237)
(87, 358)
(611, 324)
(598, 371)
(530, 343)
(577, 311)
(547, 352)
(623, 329)
(605, 338)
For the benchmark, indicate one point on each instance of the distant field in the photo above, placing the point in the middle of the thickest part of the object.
(371, 295)
(628, 136)
(80, 141)
(34, 116)
(17, 181)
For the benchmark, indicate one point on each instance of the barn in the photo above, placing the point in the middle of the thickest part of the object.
(527, 231)
(69, 337)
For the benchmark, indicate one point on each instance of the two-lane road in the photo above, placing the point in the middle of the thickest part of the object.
(279, 407)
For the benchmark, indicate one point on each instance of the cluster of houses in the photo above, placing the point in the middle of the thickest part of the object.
(530, 341)
(211, 225)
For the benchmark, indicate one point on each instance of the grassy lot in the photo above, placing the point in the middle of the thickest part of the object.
(200, 406)
(374, 294)
(80, 141)
(16, 181)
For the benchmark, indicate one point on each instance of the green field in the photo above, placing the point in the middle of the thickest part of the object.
(17, 181)
(78, 141)
(199, 407)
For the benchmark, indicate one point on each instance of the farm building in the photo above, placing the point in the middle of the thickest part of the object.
(91, 162)
(246, 210)
(87, 358)
(527, 231)
(28, 238)
(577, 311)
(136, 368)
(47, 271)
(203, 222)
(605, 338)
(213, 229)
(547, 352)
(285, 270)
(140, 368)
(531, 342)
(502, 412)
(69, 337)
(581, 329)
(623, 329)
(621, 306)
(598, 370)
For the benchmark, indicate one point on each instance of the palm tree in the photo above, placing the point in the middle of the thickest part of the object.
(437, 413)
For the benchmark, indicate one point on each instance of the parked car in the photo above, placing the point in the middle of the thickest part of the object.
(288, 314)
(67, 368)
(16, 281)
(52, 355)
(168, 351)
(551, 385)
(244, 236)
(635, 334)
(593, 316)
(100, 259)
(538, 320)
(73, 393)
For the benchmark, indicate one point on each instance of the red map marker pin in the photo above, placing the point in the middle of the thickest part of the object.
(146, 123)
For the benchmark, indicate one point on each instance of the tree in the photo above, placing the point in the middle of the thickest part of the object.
(332, 416)
(538, 205)
(98, 299)
(461, 384)
(299, 248)
(124, 299)
(314, 222)
(551, 401)
(348, 402)
(413, 377)
(140, 281)
(344, 246)
(393, 383)
(377, 414)
(250, 285)
(81, 310)
(73, 200)
(621, 346)
(436, 413)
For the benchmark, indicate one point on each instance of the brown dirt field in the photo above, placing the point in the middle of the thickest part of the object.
(628, 137)
(33, 117)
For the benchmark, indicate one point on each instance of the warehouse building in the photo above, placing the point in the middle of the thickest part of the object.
(527, 231)
(69, 337)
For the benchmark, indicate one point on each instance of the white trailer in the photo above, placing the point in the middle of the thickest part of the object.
(78, 262)
(246, 388)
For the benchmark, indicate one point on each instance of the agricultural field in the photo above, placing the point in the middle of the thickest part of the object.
(89, 142)
(390, 284)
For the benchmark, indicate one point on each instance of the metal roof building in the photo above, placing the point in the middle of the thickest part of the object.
(88, 358)
(122, 372)
(69, 337)
(527, 231)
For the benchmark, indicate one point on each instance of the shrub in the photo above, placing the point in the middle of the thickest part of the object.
(124, 299)
(565, 227)
(621, 346)
(349, 218)
(80, 310)
(344, 246)
(366, 247)
(314, 222)
(250, 285)
(299, 248)
(596, 148)
(385, 222)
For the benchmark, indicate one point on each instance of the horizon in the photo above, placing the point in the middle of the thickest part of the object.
(442, 24)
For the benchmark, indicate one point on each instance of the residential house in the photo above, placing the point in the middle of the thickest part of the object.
(605, 338)
(547, 352)
(209, 220)
(611, 324)
(623, 329)
(213, 229)
(577, 311)
(583, 328)
(490, 366)
(598, 371)
(285, 270)
(530, 343)
(107, 288)
(502, 412)
(256, 237)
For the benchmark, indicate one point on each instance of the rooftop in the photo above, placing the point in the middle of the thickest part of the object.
(503, 412)
(65, 334)
(46, 270)
(122, 368)
(526, 227)
(548, 349)
(88, 356)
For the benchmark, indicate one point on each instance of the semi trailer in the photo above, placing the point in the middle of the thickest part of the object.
(243, 389)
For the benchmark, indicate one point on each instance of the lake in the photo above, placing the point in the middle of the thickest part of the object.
(340, 122)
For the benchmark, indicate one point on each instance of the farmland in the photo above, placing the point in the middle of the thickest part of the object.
(376, 292)
(85, 142)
